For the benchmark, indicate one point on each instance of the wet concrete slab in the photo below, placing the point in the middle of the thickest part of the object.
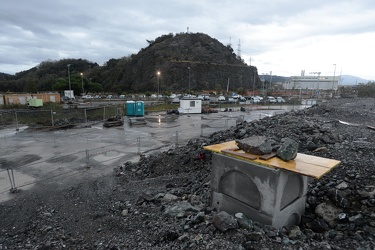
(37, 156)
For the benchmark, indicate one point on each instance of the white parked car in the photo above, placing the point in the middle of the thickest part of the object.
(232, 100)
(176, 100)
(254, 99)
(221, 98)
(271, 99)
(280, 99)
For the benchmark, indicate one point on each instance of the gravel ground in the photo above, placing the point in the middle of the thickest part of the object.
(163, 202)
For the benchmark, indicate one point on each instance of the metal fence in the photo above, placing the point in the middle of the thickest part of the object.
(56, 117)
(86, 153)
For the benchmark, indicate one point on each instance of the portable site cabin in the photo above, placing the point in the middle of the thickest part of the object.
(190, 106)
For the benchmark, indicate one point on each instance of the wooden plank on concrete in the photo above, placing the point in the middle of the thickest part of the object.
(239, 153)
(308, 165)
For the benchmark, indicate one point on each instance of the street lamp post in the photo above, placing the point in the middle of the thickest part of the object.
(254, 71)
(263, 91)
(270, 80)
(189, 79)
(318, 90)
(83, 91)
(333, 82)
(158, 76)
(70, 87)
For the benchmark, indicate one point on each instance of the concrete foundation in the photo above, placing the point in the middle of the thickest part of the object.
(267, 195)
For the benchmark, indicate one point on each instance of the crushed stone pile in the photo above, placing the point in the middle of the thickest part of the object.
(163, 201)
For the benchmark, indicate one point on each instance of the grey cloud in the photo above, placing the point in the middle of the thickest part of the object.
(99, 30)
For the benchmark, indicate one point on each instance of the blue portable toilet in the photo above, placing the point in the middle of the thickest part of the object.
(139, 108)
(130, 108)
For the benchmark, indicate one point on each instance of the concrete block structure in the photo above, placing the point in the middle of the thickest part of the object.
(266, 189)
(267, 195)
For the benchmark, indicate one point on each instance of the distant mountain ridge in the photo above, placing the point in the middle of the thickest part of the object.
(352, 80)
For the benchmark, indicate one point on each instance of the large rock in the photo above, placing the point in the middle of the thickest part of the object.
(180, 207)
(328, 212)
(338, 197)
(258, 145)
(243, 221)
(288, 149)
(224, 221)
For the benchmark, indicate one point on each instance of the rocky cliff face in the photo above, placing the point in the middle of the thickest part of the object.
(204, 60)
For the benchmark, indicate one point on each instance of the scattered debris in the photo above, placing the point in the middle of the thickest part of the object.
(113, 122)
(208, 110)
(137, 120)
(350, 124)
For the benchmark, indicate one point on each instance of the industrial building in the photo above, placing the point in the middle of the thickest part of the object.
(314, 82)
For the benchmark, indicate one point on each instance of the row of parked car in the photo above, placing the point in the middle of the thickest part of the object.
(176, 97)
(272, 99)
(252, 99)
(101, 96)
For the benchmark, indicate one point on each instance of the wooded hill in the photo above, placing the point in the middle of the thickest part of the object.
(208, 64)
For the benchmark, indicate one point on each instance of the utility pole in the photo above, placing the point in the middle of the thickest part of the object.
(189, 79)
(70, 87)
(228, 87)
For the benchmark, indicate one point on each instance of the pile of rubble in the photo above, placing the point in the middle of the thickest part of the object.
(163, 201)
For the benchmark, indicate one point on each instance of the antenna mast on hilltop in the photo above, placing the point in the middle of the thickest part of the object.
(230, 42)
(239, 49)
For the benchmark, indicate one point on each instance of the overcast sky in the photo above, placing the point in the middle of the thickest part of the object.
(282, 36)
